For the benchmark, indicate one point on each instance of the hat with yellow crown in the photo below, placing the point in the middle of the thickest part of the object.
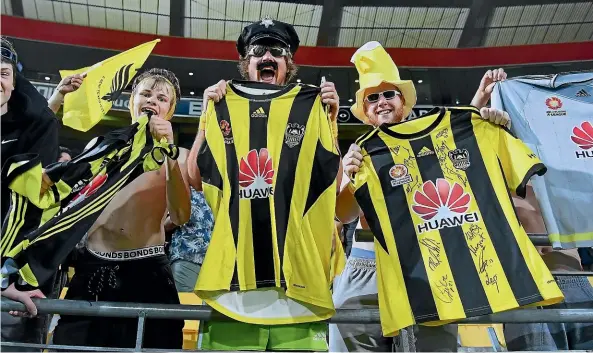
(375, 66)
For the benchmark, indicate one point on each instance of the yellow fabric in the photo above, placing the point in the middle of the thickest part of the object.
(469, 261)
(104, 81)
(307, 240)
(338, 258)
(375, 66)
(477, 335)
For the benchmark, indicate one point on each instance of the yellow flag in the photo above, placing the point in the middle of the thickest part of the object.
(104, 83)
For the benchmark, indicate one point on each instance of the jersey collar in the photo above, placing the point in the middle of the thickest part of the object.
(395, 130)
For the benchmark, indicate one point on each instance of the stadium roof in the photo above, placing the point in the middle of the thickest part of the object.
(343, 23)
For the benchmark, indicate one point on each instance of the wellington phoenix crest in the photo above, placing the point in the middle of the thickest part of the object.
(442, 205)
(256, 175)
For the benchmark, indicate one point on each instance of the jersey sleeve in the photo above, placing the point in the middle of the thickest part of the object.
(518, 162)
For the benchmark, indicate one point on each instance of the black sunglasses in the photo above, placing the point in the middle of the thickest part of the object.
(374, 97)
(260, 50)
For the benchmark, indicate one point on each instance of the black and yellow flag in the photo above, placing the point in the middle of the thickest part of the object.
(104, 83)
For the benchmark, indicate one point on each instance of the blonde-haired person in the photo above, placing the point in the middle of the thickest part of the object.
(384, 98)
(132, 227)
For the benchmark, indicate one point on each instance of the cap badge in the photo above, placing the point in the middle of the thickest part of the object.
(267, 22)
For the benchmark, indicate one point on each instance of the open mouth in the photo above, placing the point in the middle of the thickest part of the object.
(267, 72)
(149, 111)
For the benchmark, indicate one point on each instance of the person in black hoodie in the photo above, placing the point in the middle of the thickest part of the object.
(28, 127)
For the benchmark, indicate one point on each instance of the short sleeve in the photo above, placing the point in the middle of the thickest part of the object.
(519, 163)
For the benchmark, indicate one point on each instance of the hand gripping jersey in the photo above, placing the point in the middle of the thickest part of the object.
(85, 186)
(435, 193)
(553, 115)
(268, 168)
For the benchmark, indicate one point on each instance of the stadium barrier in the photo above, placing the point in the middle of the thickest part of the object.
(191, 312)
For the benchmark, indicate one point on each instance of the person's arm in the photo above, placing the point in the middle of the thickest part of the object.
(177, 186)
(486, 86)
(68, 84)
(195, 180)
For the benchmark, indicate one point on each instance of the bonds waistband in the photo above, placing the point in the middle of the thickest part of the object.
(134, 254)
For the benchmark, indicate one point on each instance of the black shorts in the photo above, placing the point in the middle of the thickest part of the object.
(146, 280)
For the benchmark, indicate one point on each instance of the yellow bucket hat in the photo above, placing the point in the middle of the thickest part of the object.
(375, 66)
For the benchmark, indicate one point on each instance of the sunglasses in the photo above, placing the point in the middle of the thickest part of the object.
(374, 97)
(9, 54)
(260, 50)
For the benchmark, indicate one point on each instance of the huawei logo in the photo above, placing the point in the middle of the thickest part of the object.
(554, 103)
(88, 190)
(583, 135)
(256, 175)
(442, 205)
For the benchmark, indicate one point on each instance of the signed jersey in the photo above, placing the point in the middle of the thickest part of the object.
(435, 193)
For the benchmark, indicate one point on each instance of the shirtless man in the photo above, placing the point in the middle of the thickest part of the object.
(124, 258)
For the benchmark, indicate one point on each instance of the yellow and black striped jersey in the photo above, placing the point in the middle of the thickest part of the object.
(268, 168)
(435, 193)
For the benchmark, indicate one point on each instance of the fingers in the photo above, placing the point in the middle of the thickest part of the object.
(20, 314)
(496, 116)
(354, 147)
(352, 160)
(506, 118)
(36, 294)
(46, 183)
(31, 308)
(499, 74)
(327, 87)
(222, 85)
(488, 74)
(160, 128)
(216, 92)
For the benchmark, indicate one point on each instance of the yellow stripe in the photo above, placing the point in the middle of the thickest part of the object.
(15, 215)
(571, 238)
(538, 269)
(222, 253)
(393, 294)
(67, 221)
(280, 110)
(492, 276)
(238, 108)
(9, 225)
(19, 221)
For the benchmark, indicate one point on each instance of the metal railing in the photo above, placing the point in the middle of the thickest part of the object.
(199, 312)
(202, 312)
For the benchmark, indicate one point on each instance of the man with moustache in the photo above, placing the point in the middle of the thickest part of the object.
(266, 49)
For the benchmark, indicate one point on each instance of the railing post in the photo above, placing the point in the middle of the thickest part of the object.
(140, 332)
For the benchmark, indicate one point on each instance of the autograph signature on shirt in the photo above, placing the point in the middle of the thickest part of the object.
(434, 251)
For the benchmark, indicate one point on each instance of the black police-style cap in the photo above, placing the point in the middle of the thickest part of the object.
(268, 28)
